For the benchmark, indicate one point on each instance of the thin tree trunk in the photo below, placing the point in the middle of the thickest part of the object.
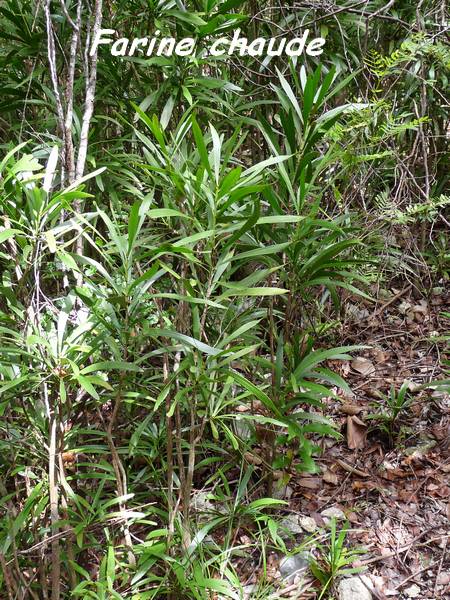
(54, 510)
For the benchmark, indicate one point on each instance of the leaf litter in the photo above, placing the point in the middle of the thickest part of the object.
(393, 488)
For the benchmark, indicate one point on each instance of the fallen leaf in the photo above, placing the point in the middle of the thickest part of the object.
(312, 483)
(253, 459)
(353, 518)
(365, 485)
(379, 355)
(330, 477)
(421, 308)
(350, 409)
(356, 433)
(404, 307)
(363, 365)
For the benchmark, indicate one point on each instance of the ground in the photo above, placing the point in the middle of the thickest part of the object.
(390, 480)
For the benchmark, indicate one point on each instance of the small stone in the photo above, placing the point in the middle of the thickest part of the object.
(353, 589)
(291, 565)
(308, 524)
(421, 449)
(334, 513)
(249, 590)
(413, 591)
(292, 524)
(283, 493)
(443, 579)
(201, 502)
(243, 430)
(413, 386)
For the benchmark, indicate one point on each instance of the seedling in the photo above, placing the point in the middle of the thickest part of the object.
(334, 559)
(396, 404)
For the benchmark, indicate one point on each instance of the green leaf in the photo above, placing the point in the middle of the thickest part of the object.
(265, 502)
(110, 365)
(157, 213)
(263, 251)
(316, 357)
(197, 344)
(256, 291)
(201, 147)
(87, 385)
(257, 392)
(4, 387)
(6, 234)
(110, 568)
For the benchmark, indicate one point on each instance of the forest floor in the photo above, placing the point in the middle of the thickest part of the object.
(390, 480)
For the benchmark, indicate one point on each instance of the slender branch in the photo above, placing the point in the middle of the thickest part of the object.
(54, 512)
(90, 95)
(70, 158)
(76, 25)
(54, 77)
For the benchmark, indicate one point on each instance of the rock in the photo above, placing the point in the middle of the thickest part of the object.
(443, 578)
(290, 566)
(421, 449)
(413, 591)
(243, 430)
(283, 493)
(292, 524)
(249, 591)
(353, 589)
(201, 502)
(308, 524)
(413, 386)
(333, 513)
(356, 313)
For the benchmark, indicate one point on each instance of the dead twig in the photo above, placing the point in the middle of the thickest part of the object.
(375, 559)
(390, 301)
(441, 562)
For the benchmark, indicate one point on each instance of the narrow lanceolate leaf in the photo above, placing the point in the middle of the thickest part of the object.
(256, 291)
(51, 241)
(215, 153)
(201, 146)
(181, 337)
(110, 365)
(87, 386)
(259, 167)
(315, 358)
(158, 213)
(8, 385)
(189, 299)
(81, 180)
(6, 234)
(290, 94)
(239, 332)
(257, 392)
(265, 502)
(263, 251)
(275, 219)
